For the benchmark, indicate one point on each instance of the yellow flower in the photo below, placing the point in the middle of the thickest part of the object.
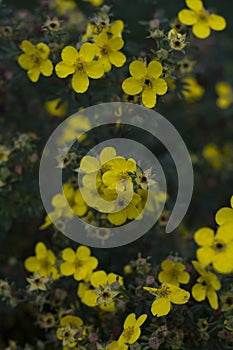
(225, 215)
(108, 52)
(63, 6)
(52, 24)
(201, 20)
(226, 301)
(37, 282)
(192, 91)
(35, 60)
(79, 263)
(46, 320)
(225, 95)
(173, 272)
(216, 249)
(106, 287)
(213, 156)
(206, 286)
(165, 295)
(81, 65)
(56, 108)
(70, 330)
(43, 262)
(132, 330)
(176, 40)
(145, 80)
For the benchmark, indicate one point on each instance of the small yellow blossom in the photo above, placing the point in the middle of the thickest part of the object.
(108, 52)
(192, 90)
(226, 301)
(81, 65)
(43, 262)
(225, 215)
(225, 95)
(37, 282)
(173, 272)
(145, 80)
(144, 179)
(46, 320)
(216, 249)
(132, 330)
(63, 6)
(52, 24)
(213, 156)
(165, 295)
(106, 287)
(35, 60)
(79, 263)
(176, 40)
(201, 20)
(206, 286)
(70, 331)
(56, 107)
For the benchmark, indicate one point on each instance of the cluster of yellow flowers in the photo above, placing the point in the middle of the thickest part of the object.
(122, 188)
(100, 48)
(97, 288)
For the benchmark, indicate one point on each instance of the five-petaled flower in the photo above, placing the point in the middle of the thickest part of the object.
(43, 262)
(165, 295)
(145, 80)
(132, 330)
(81, 65)
(206, 286)
(216, 249)
(201, 20)
(70, 331)
(35, 60)
(173, 272)
(79, 263)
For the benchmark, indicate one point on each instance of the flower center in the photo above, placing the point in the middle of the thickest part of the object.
(163, 292)
(79, 66)
(219, 246)
(128, 332)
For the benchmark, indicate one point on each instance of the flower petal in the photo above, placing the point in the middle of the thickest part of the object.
(83, 253)
(90, 298)
(98, 278)
(89, 164)
(69, 55)
(199, 292)
(63, 70)
(107, 154)
(31, 264)
(148, 98)
(95, 69)
(195, 5)
(201, 30)
(159, 86)
(80, 82)
(87, 52)
(116, 43)
(225, 232)
(117, 58)
(67, 269)
(46, 68)
(155, 69)
(34, 74)
(205, 255)
(213, 298)
(188, 17)
(217, 22)
(137, 69)
(161, 307)
(40, 250)
(68, 254)
(204, 236)
(224, 215)
(132, 86)
(118, 218)
(28, 47)
(25, 61)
